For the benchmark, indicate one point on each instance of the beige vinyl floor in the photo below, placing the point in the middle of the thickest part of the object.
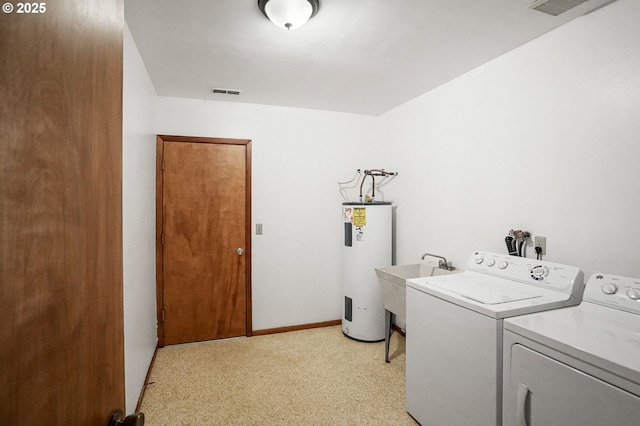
(309, 377)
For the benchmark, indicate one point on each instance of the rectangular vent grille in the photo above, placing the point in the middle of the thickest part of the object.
(555, 7)
(219, 91)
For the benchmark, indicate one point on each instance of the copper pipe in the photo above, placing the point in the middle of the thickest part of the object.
(373, 173)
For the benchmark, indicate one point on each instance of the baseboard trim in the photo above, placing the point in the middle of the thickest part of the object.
(266, 331)
(146, 379)
(296, 327)
(398, 330)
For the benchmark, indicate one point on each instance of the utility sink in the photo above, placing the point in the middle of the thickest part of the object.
(393, 280)
(393, 284)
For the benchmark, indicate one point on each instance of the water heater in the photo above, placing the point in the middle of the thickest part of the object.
(367, 245)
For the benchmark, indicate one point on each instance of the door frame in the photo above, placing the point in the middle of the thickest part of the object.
(160, 139)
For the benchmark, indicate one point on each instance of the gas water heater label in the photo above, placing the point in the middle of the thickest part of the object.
(359, 216)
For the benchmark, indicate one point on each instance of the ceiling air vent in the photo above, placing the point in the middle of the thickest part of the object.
(218, 91)
(555, 7)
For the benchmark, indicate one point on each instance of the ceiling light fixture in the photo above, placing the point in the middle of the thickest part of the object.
(289, 14)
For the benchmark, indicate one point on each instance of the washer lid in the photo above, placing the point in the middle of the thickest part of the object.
(486, 294)
(490, 295)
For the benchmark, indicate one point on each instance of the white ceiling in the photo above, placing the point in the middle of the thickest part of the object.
(358, 56)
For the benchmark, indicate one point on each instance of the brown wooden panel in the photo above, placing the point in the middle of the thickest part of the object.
(159, 267)
(61, 333)
(200, 139)
(248, 223)
(204, 195)
(266, 331)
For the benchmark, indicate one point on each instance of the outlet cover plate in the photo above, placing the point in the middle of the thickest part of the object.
(541, 242)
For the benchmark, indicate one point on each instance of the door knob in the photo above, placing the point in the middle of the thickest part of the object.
(118, 419)
(240, 251)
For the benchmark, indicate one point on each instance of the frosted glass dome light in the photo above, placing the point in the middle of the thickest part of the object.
(289, 14)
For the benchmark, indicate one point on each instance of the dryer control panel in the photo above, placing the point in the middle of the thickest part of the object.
(614, 291)
(553, 276)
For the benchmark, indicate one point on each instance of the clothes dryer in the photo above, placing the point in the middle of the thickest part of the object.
(576, 366)
(455, 331)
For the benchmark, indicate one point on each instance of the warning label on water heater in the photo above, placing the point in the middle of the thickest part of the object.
(359, 216)
(348, 215)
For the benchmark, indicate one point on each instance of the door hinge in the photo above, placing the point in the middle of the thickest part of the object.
(162, 161)
(163, 315)
(162, 239)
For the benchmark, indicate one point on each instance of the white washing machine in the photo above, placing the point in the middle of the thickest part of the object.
(578, 366)
(454, 333)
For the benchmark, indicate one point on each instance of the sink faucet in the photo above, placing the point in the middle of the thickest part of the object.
(442, 263)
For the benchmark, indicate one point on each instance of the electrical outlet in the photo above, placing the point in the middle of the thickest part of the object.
(541, 242)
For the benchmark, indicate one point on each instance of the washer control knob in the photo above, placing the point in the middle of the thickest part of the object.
(503, 264)
(609, 288)
(479, 259)
(633, 293)
(538, 272)
(491, 261)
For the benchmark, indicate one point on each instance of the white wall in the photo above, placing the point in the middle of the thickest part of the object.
(545, 138)
(298, 156)
(138, 220)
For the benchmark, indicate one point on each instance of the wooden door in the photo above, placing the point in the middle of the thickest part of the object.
(205, 239)
(61, 331)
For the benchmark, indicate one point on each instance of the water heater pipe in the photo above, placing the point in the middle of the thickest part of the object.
(373, 173)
